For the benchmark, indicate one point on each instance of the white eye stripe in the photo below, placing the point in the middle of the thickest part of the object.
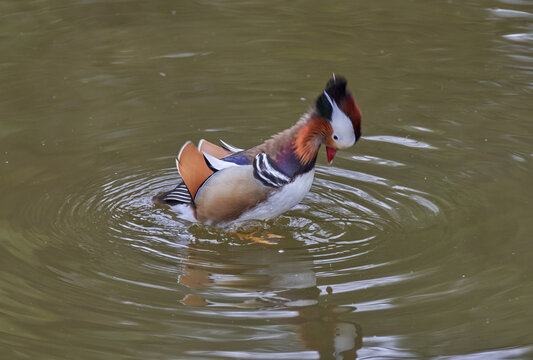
(329, 99)
(342, 125)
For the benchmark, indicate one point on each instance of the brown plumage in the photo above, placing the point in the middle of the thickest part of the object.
(192, 167)
(304, 137)
(212, 149)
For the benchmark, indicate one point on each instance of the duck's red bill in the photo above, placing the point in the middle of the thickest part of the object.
(331, 154)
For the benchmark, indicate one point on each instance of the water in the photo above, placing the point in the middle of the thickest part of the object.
(414, 244)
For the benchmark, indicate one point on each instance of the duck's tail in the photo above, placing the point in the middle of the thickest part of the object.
(179, 195)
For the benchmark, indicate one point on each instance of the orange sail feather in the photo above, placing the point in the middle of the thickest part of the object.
(192, 167)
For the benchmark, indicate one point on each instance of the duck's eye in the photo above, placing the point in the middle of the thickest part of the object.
(335, 137)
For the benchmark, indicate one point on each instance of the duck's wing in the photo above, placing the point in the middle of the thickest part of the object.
(195, 166)
(236, 188)
(218, 152)
(193, 170)
(192, 167)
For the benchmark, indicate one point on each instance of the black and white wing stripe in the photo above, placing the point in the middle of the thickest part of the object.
(180, 195)
(267, 172)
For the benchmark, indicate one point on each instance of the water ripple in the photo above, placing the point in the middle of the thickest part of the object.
(400, 141)
(271, 272)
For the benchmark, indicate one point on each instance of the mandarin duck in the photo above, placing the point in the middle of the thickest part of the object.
(225, 184)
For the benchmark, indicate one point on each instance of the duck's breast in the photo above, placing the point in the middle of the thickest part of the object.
(281, 200)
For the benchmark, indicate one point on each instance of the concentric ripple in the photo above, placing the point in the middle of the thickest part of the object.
(332, 247)
(345, 209)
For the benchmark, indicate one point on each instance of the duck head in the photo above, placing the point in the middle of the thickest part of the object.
(336, 106)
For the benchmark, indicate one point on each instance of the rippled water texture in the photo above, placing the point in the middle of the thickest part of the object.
(416, 243)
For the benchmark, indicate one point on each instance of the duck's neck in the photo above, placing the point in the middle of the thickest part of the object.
(295, 149)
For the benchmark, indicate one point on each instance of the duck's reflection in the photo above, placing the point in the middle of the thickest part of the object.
(266, 276)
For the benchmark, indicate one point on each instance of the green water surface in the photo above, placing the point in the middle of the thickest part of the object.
(415, 244)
